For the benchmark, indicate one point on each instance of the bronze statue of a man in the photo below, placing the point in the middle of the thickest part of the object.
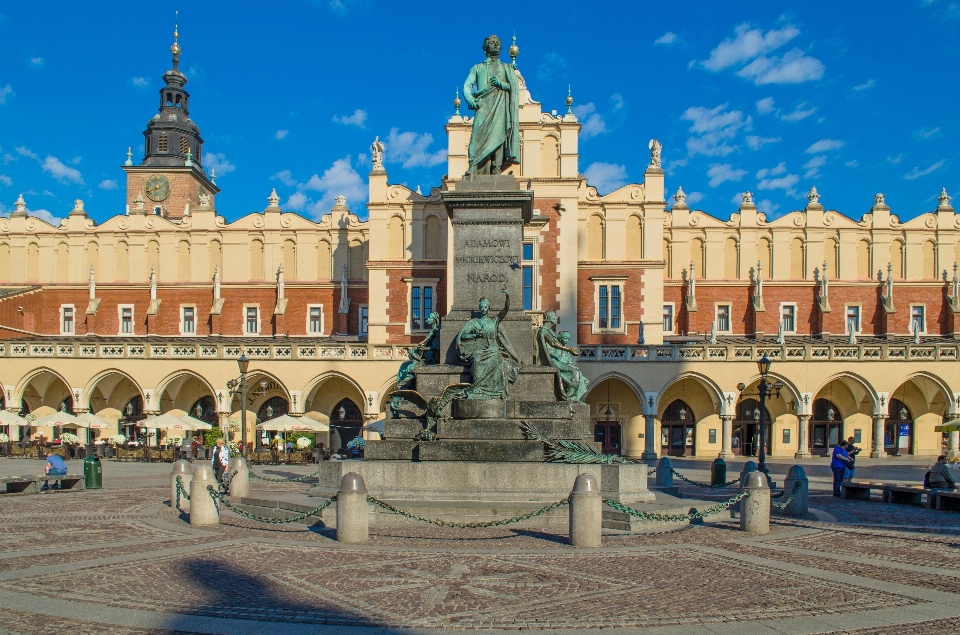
(492, 90)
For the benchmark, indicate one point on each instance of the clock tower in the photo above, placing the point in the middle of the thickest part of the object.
(170, 180)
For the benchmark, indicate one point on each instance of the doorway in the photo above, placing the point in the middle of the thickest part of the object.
(746, 428)
(607, 434)
(825, 427)
(678, 430)
(898, 430)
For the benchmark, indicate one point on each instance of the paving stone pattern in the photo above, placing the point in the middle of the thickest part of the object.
(122, 561)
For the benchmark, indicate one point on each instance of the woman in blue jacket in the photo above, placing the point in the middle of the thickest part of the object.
(839, 460)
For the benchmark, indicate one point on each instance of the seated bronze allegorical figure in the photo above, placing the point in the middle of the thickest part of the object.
(485, 349)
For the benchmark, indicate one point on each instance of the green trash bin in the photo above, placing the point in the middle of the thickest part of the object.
(92, 473)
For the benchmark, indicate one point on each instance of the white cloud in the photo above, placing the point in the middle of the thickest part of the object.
(552, 65)
(866, 85)
(781, 168)
(5, 92)
(768, 207)
(64, 174)
(8, 158)
(926, 133)
(715, 126)
(6, 180)
(852, 164)
(813, 166)
(108, 184)
(617, 100)
(606, 177)
(694, 197)
(282, 134)
(591, 122)
(37, 62)
(824, 145)
(756, 142)
(794, 67)
(798, 113)
(27, 152)
(358, 118)
(916, 173)
(721, 173)
(44, 215)
(76, 160)
(296, 202)
(140, 82)
(339, 178)
(784, 183)
(666, 38)
(284, 177)
(218, 161)
(765, 106)
(748, 44)
(895, 160)
(410, 149)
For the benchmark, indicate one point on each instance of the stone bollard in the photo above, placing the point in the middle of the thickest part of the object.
(353, 524)
(239, 482)
(718, 472)
(755, 509)
(749, 466)
(586, 512)
(184, 470)
(203, 511)
(665, 472)
(799, 506)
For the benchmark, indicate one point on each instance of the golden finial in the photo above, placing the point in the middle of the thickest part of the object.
(569, 101)
(175, 49)
(456, 103)
(514, 50)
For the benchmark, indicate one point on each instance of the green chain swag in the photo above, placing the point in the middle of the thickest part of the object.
(793, 493)
(491, 523)
(227, 478)
(696, 484)
(652, 472)
(282, 480)
(219, 498)
(181, 492)
(676, 518)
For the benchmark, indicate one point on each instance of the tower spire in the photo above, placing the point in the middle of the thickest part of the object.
(175, 49)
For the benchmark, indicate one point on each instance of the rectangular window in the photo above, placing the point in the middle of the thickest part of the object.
(364, 319)
(527, 288)
(603, 321)
(723, 318)
(126, 320)
(252, 326)
(67, 324)
(788, 317)
(713, 435)
(315, 321)
(853, 319)
(421, 305)
(668, 318)
(918, 319)
(189, 320)
(614, 307)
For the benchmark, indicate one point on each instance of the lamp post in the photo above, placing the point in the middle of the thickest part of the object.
(240, 387)
(764, 388)
(146, 445)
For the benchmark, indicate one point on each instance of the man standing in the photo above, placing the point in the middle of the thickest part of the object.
(839, 459)
(495, 136)
(221, 459)
(852, 451)
(940, 477)
(55, 466)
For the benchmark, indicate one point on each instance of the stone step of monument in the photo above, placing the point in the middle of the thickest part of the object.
(664, 504)
(507, 429)
(390, 449)
(485, 450)
(267, 508)
(401, 428)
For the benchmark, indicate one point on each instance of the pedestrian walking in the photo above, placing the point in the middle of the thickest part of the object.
(221, 459)
(839, 460)
(852, 452)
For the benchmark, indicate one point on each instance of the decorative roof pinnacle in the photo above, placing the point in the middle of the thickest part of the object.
(569, 100)
(514, 50)
(943, 198)
(456, 103)
(129, 160)
(680, 197)
(813, 196)
(273, 199)
(175, 50)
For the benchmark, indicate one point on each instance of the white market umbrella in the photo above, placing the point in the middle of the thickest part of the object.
(286, 423)
(61, 419)
(95, 422)
(7, 418)
(167, 422)
(194, 423)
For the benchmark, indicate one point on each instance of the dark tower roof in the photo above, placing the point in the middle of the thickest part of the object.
(171, 135)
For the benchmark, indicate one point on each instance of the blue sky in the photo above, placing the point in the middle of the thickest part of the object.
(854, 97)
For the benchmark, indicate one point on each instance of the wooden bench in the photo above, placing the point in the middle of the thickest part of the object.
(946, 499)
(909, 494)
(859, 489)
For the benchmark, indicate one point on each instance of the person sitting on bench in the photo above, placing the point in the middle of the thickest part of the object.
(55, 466)
(940, 477)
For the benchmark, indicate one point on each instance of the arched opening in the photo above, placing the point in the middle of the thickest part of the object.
(266, 394)
(63, 263)
(256, 260)
(616, 415)
(796, 259)
(44, 393)
(323, 260)
(898, 429)
(324, 396)
(346, 424)
(863, 260)
(184, 144)
(595, 238)
(914, 411)
(694, 430)
(153, 258)
(431, 238)
(678, 429)
(697, 257)
(746, 428)
(929, 261)
(550, 156)
(130, 417)
(183, 391)
(635, 238)
(896, 258)
(121, 259)
(731, 259)
(272, 408)
(4, 262)
(183, 260)
(214, 257)
(357, 268)
(33, 263)
(764, 257)
(289, 254)
(92, 259)
(396, 244)
(826, 426)
(169, 99)
(831, 256)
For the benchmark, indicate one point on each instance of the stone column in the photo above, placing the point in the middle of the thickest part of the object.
(953, 439)
(726, 450)
(803, 443)
(223, 422)
(650, 446)
(878, 452)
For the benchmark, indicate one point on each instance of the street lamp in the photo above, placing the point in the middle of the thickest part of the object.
(764, 388)
(240, 387)
(146, 445)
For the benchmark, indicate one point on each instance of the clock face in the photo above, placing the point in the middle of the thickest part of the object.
(157, 187)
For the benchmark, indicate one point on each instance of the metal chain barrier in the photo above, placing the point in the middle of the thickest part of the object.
(282, 480)
(783, 505)
(652, 472)
(676, 518)
(181, 492)
(445, 523)
(219, 498)
(227, 478)
(696, 484)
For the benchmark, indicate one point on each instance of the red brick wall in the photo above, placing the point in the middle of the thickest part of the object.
(398, 310)
(631, 299)
(549, 253)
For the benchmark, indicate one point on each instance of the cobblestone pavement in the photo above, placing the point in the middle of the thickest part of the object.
(120, 560)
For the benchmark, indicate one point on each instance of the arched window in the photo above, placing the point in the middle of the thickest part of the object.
(4, 262)
(731, 258)
(356, 263)
(896, 258)
(169, 99)
(179, 101)
(831, 256)
(634, 237)
(289, 260)
(898, 429)
(63, 263)
(33, 263)
(121, 268)
(696, 257)
(764, 257)
(256, 260)
(153, 258)
(796, 259)
(678, 429)
(162, 142)
(204, 409)
(273, 408)
(92, 258)
(929, 261)
(183, 260)
(396, 243)
(214, 257)
(863, 260)
(323, 260)
(595, 238)
(550, 156)
(431, 238)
